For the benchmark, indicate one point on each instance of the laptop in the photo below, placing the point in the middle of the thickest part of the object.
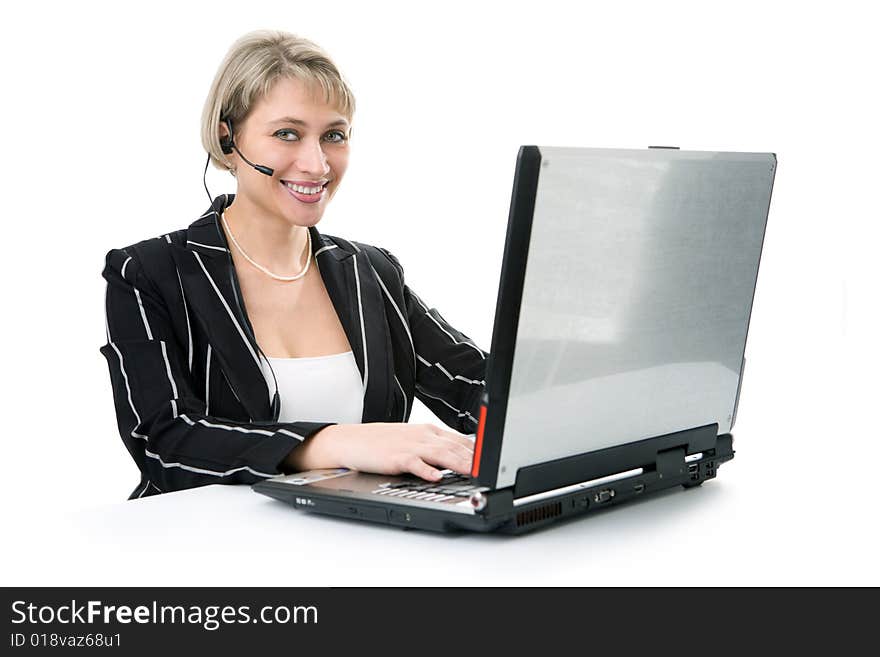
(618, 348)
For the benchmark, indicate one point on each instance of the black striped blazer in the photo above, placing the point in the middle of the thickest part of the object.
(192, 404)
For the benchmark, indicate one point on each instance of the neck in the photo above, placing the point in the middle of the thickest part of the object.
(268, 239)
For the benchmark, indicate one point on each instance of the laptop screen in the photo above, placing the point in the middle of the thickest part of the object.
(635, 302)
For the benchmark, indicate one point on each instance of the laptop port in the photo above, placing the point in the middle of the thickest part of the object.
(603, 495)
(639, 488)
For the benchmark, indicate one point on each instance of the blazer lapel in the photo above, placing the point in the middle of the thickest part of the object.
(357, 298)
(206, 276)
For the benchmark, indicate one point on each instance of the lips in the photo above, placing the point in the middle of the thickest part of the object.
(305, 198)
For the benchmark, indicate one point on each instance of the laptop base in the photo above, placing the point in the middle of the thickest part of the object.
(499, 511)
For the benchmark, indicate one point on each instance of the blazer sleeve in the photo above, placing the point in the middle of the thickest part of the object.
(450, 367)
(161, 419)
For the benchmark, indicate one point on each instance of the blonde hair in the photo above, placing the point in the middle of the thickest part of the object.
(254, 63)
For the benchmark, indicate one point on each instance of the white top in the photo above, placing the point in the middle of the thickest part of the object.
(318, 389)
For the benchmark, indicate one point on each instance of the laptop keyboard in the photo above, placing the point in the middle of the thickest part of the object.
(451, 485)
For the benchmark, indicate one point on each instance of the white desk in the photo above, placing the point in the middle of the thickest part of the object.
(725, 532)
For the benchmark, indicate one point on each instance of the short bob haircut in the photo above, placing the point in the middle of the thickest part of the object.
(250, 69)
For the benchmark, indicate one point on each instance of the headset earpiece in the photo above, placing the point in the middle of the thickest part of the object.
(226, 142)
(227, 145)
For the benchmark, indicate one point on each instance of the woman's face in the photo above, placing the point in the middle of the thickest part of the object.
(304, 140)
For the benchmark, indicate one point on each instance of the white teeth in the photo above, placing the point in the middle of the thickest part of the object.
(304, 190)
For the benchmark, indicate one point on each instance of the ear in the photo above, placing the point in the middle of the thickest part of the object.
(225, 139)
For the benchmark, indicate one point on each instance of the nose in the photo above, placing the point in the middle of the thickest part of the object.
(311, 159)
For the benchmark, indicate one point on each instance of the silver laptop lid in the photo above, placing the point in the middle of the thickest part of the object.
(636, 299)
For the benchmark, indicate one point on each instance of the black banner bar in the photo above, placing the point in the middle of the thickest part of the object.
(236, 621)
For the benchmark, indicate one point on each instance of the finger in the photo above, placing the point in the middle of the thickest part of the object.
(466, 465)
(452, 457)
(419, 468)
(458, 439)
(463, 456)
(460, 446)
(465, 451)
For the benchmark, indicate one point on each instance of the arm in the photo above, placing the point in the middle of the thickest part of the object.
(450, 368)
(161, 419)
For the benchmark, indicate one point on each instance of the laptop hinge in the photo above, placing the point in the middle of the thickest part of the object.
(666, 453)
(670, 462)
(498, 502)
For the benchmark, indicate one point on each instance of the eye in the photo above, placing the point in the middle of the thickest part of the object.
(341, 136)
(281, 135)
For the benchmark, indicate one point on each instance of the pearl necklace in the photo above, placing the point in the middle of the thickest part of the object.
(259, 266)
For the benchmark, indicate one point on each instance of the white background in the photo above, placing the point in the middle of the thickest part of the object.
(100, 133)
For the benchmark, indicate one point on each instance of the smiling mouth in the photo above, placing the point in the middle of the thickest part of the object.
(308, 190)
(313, 195)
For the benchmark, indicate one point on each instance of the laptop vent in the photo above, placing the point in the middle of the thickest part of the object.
(538, 514)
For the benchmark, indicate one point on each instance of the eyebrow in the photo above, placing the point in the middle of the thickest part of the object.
(290, 119)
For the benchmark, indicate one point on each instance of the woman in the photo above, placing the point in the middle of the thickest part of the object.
(250, 344)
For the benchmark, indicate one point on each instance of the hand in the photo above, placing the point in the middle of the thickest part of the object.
(385, 448)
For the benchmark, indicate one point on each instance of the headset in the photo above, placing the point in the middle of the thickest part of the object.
(227, 145)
